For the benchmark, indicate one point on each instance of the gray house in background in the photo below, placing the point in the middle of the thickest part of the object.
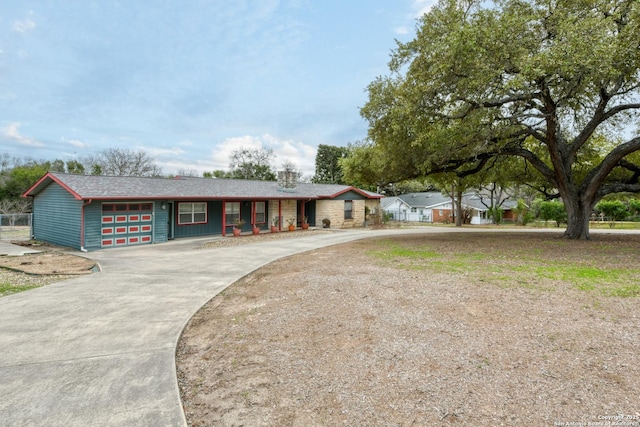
(90, 212)
(434, 207)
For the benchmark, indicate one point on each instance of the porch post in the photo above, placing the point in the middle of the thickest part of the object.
(224, 218)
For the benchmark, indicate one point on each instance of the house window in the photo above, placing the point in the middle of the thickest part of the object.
(348, 209)
(231, 213)
(260, 212)
(414, 210)
(192, 213)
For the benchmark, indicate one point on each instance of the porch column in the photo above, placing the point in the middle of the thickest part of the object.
(224, 218)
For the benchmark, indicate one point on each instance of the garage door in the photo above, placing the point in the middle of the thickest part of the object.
(125, 224)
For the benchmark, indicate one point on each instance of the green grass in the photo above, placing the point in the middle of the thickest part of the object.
(8, 288)
(393, 252)
(527, 264)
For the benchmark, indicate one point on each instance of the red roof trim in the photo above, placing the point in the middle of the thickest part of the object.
(50, 177)
(355, 190)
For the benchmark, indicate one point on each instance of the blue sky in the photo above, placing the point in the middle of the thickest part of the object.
(190, 81)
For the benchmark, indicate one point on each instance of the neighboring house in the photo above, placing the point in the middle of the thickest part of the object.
(435, 207)
(90, 212)
(416, 207)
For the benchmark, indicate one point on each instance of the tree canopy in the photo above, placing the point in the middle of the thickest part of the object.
(252, 163)
(552, 83)
(328, 168)
(120, 162)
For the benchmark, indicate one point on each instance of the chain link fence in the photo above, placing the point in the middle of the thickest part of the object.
(15, 226)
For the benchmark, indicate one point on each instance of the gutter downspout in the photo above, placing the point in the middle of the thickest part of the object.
(86, 203)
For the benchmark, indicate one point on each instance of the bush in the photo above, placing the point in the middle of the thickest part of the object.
(496, 214)
(614, 210)
(634, 206)
(553, 211)
(523, 216)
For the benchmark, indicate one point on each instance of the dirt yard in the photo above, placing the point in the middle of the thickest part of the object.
(52, 264)
(472, 329)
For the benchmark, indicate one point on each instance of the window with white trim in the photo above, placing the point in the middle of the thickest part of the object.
(231, 213)
(192, 213)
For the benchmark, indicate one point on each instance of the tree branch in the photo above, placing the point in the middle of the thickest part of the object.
(597, 176)
(535, 161)
(617, 188)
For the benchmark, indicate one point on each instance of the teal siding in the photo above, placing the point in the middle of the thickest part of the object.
(57, 217)
(212, 226)
(350, 195)
(160, 222)
(92, 226)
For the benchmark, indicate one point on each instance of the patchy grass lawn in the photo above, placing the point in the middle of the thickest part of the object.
(605, 264)
(473, 329)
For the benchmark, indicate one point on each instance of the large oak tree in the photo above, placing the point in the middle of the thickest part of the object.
(544, 80)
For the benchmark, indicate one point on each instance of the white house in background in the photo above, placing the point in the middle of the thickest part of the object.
(434, 207)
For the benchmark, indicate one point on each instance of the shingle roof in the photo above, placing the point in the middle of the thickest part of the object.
(433, 198)
(424, 200)
(125, 187)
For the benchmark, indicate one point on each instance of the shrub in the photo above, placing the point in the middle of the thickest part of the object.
(614, 210)
(554, 211)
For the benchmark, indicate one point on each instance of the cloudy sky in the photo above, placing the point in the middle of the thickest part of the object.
(189, 81)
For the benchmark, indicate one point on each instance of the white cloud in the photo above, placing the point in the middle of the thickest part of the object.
(27, 24)
(401, 30)
(162, 152)
(301, 154)
(75, 143)
(11, 131)
(422, 6)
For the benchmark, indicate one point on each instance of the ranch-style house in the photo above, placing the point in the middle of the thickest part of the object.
(90, 212)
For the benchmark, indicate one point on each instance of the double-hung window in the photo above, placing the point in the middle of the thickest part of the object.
(348, 209)
(260, 212)
(192, 213)
(231, 213)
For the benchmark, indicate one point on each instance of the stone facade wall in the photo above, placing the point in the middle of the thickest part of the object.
(289, 210)
(334, 211)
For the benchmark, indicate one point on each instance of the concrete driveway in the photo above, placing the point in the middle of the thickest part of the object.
(99, 350)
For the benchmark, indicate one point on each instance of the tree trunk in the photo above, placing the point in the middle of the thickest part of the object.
(459, 208)
(578, 215)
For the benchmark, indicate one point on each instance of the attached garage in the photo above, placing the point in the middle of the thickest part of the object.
(124, 224)
(90, 212)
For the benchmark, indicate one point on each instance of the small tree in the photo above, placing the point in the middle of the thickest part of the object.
(522, 213)
(496, 214)
(553, 211)
(614, 210)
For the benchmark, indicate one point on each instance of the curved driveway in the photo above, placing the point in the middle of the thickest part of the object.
(99, 350)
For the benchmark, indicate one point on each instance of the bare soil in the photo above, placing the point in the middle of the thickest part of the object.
(52, 264)
(474, 329)
(50, 260)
